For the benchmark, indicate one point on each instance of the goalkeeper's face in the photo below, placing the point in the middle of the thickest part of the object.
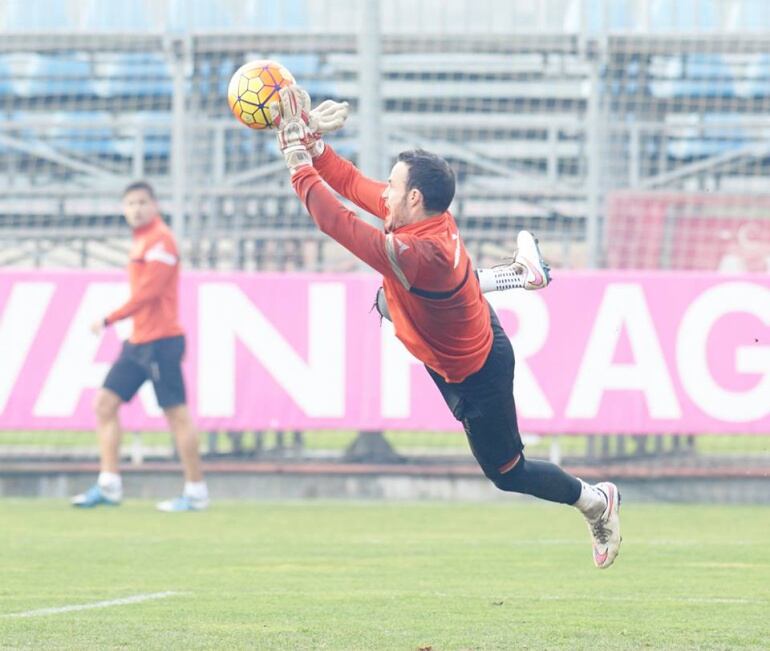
(402, 204)
(139, 208)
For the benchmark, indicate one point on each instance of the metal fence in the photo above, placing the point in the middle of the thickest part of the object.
(545, 129)
(626, 134)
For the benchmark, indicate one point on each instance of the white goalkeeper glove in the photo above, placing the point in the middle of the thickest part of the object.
(290, 116)
(328, 116)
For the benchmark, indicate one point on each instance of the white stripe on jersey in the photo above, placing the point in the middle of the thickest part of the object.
(158, 254)
(390, 248)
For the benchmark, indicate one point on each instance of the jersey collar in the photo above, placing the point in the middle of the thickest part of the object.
(424, 225)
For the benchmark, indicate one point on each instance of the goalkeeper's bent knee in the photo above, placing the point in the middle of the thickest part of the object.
(509, 476)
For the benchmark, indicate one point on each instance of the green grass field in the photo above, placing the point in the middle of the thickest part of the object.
(381, 576)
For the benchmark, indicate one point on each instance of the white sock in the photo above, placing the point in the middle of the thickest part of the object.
(196, 490)
(591, 502)
(111, 483)
(500, 278)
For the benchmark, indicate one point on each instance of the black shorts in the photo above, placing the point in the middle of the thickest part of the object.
(159, 361)
(483, 403)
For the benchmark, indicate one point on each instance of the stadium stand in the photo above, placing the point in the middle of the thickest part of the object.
(541, 128)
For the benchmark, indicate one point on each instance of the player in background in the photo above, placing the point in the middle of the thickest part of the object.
(153, 352)
(435, 300)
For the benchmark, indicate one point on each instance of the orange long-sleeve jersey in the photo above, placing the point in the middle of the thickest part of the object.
(434, 297)
(153, 274)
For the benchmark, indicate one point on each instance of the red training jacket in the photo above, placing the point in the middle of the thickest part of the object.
(433, 295)
(153, 273)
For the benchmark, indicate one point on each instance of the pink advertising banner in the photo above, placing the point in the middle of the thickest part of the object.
(597, 352)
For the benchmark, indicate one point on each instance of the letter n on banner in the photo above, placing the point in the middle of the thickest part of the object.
(226, 315)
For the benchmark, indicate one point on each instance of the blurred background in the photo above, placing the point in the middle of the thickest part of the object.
(627, 134)
(587, 121)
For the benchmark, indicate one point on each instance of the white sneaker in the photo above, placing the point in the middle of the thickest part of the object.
(97, 496)
(529, 260)
(605, 530)
(181, 504)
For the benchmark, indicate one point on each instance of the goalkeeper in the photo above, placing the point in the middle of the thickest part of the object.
(435, 300)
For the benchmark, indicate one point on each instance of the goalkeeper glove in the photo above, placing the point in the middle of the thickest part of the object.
(290, 115)
(328, 116)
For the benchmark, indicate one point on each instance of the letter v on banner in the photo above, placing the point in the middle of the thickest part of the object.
(74, 369)
(20, 320)
(316, 385)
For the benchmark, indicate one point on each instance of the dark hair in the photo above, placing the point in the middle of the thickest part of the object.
(432, 176)
(140, 185)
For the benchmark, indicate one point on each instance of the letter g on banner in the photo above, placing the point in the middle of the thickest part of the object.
(692, 353)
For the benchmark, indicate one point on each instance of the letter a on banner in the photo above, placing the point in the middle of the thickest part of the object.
(74, 369)
(623, 308)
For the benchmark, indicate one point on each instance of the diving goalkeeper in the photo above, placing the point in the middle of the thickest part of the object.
(435, 299)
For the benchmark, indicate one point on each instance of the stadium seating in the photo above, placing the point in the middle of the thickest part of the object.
(523, 118)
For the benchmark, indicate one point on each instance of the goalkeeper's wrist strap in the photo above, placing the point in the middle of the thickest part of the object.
(296, 156)
(316, 148)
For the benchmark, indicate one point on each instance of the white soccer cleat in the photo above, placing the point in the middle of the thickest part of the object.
(605, 530)
(530, 262)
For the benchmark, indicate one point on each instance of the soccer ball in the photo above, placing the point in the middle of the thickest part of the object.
(253, 87)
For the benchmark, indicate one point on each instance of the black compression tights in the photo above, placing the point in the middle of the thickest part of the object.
(541, 479)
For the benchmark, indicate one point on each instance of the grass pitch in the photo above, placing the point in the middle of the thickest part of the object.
(381, 576)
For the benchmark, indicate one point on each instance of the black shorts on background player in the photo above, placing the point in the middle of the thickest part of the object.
(159, 361)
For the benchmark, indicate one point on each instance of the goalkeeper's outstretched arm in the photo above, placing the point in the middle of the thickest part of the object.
(333, 218)
(296, 141)
(364, 241)
(341, 175)
(346, 179)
